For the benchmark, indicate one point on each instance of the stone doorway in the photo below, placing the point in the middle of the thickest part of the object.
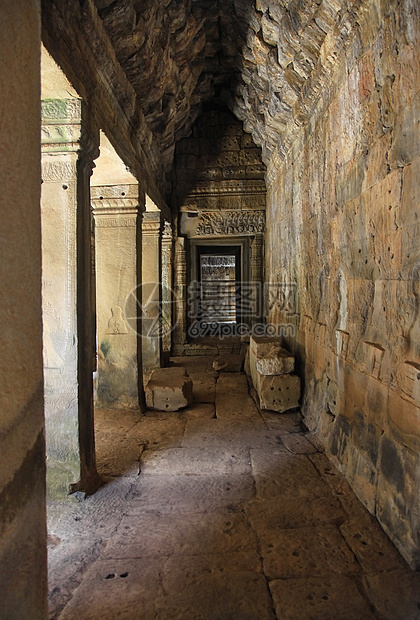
(217, 275)
(219, 278)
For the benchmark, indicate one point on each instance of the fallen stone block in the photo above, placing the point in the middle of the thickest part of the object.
(169, 389)
(278, 392)
(268, 357)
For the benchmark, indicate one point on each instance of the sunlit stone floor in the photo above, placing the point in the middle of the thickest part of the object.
(220, 512)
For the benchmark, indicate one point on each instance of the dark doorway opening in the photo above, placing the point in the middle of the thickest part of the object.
(217, 304)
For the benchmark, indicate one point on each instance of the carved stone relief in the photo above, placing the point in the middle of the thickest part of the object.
(230, 223)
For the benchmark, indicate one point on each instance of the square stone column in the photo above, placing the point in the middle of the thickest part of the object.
(180, 293)
(115, 209)
(151, 289)
(68, 150)
(167, 300)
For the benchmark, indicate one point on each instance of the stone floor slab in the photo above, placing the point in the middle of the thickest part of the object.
(280, 474)
(221, 508)
(306, 552)
(319, 598)
(227, 596)
(161, 429)
(298, 444)
(192, 570)
(250, 434)
(294, 513)
(395, 594)
(114, 589)
(371, 546)
(283, 423)
(190, 494)
(158, 536)
(232, 399)
(196, 461)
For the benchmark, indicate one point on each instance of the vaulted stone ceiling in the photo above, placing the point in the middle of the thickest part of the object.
(255, 57)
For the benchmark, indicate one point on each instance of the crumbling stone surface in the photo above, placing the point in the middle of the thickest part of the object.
(269, 357)
(169, 389)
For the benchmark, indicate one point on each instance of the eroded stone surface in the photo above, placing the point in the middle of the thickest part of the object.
(268, 357)
(306, 552)
(169, 389)
(279, 392)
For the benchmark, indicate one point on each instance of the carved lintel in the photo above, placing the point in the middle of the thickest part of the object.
(119, 221)
(102, 192)
(227, 188)
(230, 223)
(58, 138)
(114, 200)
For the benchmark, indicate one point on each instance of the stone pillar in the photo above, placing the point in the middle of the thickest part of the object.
(68, 151)
(23, 553)
(257, 279)
(167, 242)
(151, 290)
(60, 136)
(86, 310)
(115, 209)
(180, 292)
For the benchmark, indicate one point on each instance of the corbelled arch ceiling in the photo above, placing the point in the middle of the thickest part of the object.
(149, 67)
(253, 56)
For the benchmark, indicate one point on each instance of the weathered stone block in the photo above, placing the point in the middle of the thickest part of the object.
(269, 358)
(169, 389)
(279, 392)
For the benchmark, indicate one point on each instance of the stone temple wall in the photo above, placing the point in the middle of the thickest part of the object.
(344, 230)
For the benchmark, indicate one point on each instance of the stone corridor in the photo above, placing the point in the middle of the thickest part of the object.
(220, 512)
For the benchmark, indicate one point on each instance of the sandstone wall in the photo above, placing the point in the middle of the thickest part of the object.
(343, 226)
(23, 581)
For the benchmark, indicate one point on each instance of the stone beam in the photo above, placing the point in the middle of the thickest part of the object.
(75, 36)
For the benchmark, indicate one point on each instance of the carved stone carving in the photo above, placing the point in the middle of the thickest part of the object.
(58, 171)
(230, 223)
(116, 324)
(59, 110)
(114, 222)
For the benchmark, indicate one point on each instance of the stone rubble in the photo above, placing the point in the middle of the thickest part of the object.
(270, 366)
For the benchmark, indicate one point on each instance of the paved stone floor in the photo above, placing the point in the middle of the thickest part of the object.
(220, 512)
